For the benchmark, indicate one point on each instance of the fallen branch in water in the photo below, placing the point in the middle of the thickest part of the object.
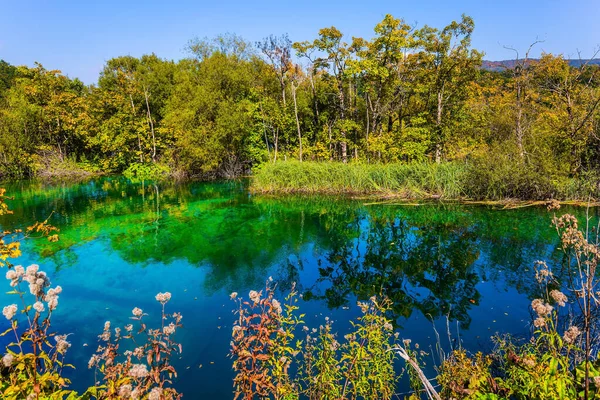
(429, 389)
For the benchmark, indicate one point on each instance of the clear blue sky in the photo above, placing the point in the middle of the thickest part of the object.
(77, 37)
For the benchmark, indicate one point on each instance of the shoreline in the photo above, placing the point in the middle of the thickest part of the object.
(405, 197)
(382, 199)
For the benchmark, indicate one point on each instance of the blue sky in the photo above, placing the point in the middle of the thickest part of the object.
(77, 37)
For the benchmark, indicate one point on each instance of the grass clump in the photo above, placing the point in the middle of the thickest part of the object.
(491, 177)
(417, 180)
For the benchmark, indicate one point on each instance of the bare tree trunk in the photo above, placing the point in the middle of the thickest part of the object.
(572, 134)
(438, 126)
(262, 114)
(60, 151)
(137, 133)
(330, 150)
(368, 123)
(276, 141)
(58, 140)
(315, 105)
(343, 146)
(282, 83)
(519, 127)
(297, 122)
(151, 126)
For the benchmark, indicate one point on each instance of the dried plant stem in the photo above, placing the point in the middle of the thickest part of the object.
(432, 394)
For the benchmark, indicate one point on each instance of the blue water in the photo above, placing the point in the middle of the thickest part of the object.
(466, 269)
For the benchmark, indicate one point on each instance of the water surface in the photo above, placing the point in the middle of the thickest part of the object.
(463, 268)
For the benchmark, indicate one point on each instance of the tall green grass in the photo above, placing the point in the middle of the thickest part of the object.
(420, 180)
(449, 180)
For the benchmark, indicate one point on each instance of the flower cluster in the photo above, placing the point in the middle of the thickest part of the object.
(61, 343)
(38, 281)
(138, 371)
(105, 336)
(560, 298)
(277, 306)
(137, 312)
(144, 371)
(38, 306)
(10, 311)
(541, 309)
(566, 220)
(7, 360)
(163, 298)
(542, 272)
(125, 391)
(169, 329)
(255, 296)
(52, 297)
(155, 394)
(553, 205)
(571, 334)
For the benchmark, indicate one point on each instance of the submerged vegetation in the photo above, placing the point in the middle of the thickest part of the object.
(391, 105)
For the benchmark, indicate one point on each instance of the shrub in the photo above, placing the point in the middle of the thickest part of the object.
(144, 370)
(265, 356)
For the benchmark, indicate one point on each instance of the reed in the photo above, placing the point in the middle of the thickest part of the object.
(456, 180)
(417, 180)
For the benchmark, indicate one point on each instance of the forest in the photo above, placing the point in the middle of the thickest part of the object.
(407, 95)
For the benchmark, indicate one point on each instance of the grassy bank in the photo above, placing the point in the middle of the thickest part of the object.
(449, 180)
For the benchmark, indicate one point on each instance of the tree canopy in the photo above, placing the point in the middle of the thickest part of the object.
(406, 94)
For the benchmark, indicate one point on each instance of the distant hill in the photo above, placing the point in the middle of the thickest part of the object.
(509, 64)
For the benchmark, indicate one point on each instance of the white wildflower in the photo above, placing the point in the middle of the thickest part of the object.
(138, 371)
(61, 343)
(32, 269)
(137, 312)
(9, 311)
(20, 270)
(53, 303)
(254, 296)
(7, 360)
(163, 298)
(559, 297)
(277, 306)
(125, 391)
(169, 329)
(38, 306)
(571, 334)
(155, 394)
(539, 322)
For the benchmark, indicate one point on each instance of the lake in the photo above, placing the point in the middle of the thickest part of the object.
(463, 269)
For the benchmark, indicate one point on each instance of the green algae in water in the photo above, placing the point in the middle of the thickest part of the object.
(121, 243)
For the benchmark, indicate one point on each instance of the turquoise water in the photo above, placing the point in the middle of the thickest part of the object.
(463, 268)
